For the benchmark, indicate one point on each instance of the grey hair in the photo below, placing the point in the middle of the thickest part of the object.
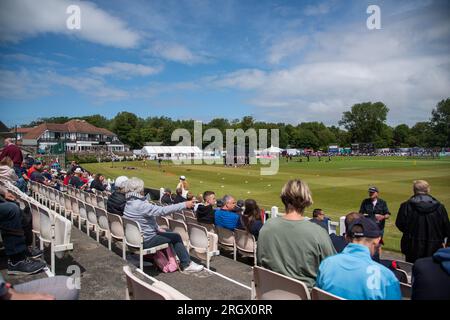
(134, 185)
(227, 198)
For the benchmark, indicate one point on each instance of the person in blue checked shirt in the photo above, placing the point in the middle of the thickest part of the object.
(352, 274)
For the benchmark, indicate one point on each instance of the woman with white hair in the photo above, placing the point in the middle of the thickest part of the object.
(140, 210)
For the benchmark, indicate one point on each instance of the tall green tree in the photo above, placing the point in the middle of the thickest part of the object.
(127, 127)
(365, 121)
(400, 135)
(440, 123)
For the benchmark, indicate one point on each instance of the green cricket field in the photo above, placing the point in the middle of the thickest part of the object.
(338, 186)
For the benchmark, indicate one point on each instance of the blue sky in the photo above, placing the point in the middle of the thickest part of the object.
(287, 61)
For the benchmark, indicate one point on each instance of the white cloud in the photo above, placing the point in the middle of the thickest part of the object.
(286, 47)
(314, 10)
(28, 18)
(32, 84)
(21, 84)
(124, 70)
(176, 52)
(404, 65)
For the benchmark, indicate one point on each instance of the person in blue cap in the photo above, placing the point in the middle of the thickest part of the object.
(353, 274)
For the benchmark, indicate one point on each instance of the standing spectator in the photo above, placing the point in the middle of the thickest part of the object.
(431, 277)
(97, 183)
(14, 153)
(179, 198)
(376, 209)
(205, 211)
(117, 201)
(424, 223)
(251, 218)
(184, 186)
(140, 210)
(292, 245)
(167, 197)
(320, 218)
(353, 274)
(225, 217)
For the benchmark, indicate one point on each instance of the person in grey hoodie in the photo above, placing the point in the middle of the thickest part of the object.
(424, 223)
(431, 277)
(140, 210)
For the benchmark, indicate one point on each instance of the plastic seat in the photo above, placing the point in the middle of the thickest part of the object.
(270, 285)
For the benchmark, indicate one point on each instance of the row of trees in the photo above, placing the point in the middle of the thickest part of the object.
(365, 122)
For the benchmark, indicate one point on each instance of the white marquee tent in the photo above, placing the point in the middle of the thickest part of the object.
(165, 152)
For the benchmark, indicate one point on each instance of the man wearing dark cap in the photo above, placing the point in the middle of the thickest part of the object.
(375, 209)
(353, 274)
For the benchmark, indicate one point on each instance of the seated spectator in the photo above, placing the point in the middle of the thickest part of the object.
(167, 197)
(97, 183)
(353, 274)
(76, 181)
(116, 201)
(340, 242)
(37, 176)
(239, 208)
(23, 178)
(54, 288)
(290, 244)
(225, 217)
(85, 177)
(11, 226)
(251, 218)
(431, 277)
(67, 177)
(45, 172)
(179, 197)
(205, 211)
(37, 165)
(6, 170)
(320, 218)
(140, 210)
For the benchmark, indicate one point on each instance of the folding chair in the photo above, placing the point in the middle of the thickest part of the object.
(226, 240)
(117, 231)
(92, 221)
(56, 231)
(192, 221)
(134, 239)
(189, 213)
(162, 222)
(101, 202)
(178, 216)
(103, 224)
(138, 289)
(82, 214)
(180, 228)
(245, 244)
(319, 294)
(202, 242)
(270, 285)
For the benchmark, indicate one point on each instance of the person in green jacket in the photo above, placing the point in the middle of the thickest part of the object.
(290, 244)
